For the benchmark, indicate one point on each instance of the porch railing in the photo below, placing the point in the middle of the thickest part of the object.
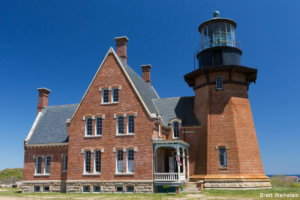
(165, 176)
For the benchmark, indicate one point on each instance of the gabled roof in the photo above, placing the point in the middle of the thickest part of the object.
(177, 108)
(147, 92)
(142, 90)
(51, 125)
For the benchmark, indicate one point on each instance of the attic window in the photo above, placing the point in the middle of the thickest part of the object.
(115, 95)
(175, 129)
(88, 126)
(105, 96)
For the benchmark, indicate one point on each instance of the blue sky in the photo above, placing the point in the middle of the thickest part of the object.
(60, 45)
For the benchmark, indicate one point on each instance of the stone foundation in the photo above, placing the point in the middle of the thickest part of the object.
(109, 186)
(54, 186)
(231, 182)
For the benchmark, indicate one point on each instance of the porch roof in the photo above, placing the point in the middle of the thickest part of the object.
(168, 143)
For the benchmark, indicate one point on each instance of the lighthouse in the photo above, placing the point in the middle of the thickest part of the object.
(232, 158)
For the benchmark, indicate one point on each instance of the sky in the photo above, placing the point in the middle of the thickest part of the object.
(60, 45)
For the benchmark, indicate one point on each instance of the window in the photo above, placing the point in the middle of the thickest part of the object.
(86, 188)
(47, 164)
(222, 157)
(96, 189)
(65, 163)
(46, 189)
(119, 189)
(120, 124)
(105, 96)
(99, 126)
(130, 124)
(120, 161)
(87, 162)
(38, 165)
(36, 189)
(97, 161)
(115, 95)
(88, 126)
(175, 129)
(130, 161)
(219, 83)
(130, 188)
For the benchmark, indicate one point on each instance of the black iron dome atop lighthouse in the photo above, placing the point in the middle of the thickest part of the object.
(218, 42)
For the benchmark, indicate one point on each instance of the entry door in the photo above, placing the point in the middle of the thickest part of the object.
(171, 164)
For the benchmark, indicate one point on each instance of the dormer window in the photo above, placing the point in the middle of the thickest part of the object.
(115, 95)
(219, 83)
(105, 96)
(175, 129)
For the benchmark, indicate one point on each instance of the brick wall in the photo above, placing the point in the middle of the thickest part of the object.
(111, 75)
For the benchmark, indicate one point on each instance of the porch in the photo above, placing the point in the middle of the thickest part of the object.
(171, 162)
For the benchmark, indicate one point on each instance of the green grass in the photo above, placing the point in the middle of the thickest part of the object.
(52, 195)
(253, 193)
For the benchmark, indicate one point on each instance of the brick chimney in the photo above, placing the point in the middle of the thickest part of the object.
(146, 70)
(121, 47)
(43, 99)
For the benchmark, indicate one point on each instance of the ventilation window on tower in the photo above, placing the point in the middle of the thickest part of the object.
(219, 83)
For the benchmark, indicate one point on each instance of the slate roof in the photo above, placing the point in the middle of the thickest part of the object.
(177, 108)
(51, 127)
(147, 93)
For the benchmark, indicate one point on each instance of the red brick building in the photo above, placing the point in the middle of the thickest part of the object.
(122, 137)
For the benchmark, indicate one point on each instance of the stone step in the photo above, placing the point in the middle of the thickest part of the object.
(190, 187)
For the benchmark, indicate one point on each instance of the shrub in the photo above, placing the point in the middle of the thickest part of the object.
(283, 181)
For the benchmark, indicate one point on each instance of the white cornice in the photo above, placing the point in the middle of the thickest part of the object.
(46, 145)
(33, 126)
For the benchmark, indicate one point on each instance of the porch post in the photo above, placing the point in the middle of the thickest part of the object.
(183, 162)
(155, 154)
(188, 164)
(178, 164)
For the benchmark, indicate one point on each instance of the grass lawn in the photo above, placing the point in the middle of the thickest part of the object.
(206, 194)
(268, 193)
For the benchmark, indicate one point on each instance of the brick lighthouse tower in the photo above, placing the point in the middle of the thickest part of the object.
(222, 106)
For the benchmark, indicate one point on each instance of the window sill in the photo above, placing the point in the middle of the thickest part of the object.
(91, 174)
(41, 175)
(109, 103)
(124, 135)
(64, 171)
(222, 168)
(92, 136)
(124, 174)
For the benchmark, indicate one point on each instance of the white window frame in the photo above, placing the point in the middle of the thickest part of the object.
(65, 163)
(86, 126)
(36, 164)
(95, 152)
(173, 129)
(45, 165)
(84, 162)
(96, 129)
(128, 124)
(117, 172)
(103, 91)
(219, 78)
(112, 94)
(127, 156)
(118, 132)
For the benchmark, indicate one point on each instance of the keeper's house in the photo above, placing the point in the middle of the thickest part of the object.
(122, 137)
